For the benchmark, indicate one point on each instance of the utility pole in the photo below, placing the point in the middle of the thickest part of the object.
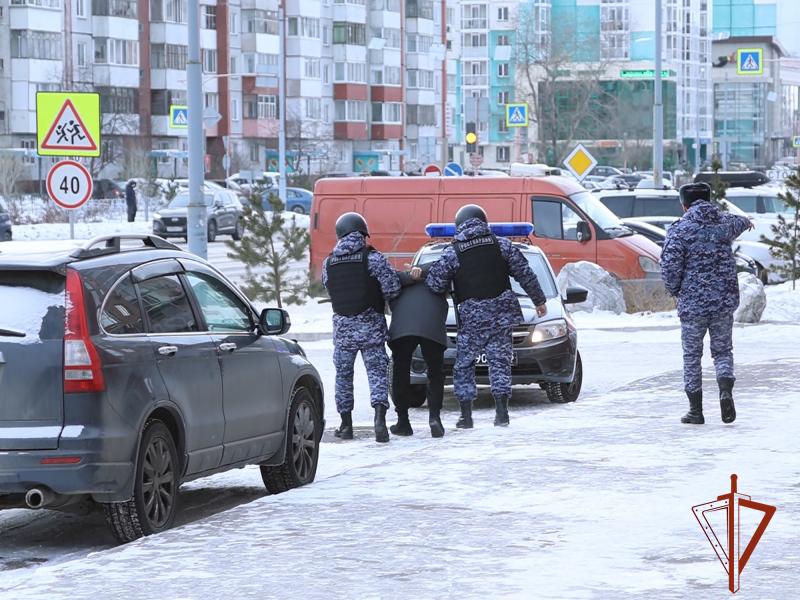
(658, 107)
(281, 101)
(196, 218)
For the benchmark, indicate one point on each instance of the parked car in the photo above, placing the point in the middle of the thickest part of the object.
(545, 348)
(107, 189)
(605, 171)
(5, 222)
(245, 182)
(734, 178)
(298, 200)
(622, 182)
(224, 211)
(128, 370)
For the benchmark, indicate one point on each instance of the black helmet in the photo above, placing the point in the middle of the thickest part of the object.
(350, 222)
(470, 211)
(692, 192)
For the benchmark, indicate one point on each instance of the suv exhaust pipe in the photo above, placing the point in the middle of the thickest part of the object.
(38, 498)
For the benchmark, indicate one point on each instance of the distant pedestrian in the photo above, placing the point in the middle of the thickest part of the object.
(419, 319)
(130, 200)
(479, 266)
(699, 269)
(359, 280)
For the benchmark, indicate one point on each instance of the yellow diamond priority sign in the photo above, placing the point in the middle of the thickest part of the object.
(579, 162)
(67, 124)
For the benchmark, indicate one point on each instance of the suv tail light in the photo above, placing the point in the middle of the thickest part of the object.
(83, 370)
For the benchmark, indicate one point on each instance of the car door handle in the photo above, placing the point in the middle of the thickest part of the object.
(168, 350)
(228, 347)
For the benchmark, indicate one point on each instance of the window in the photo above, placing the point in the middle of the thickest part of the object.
(116, 52)
(232, 67)
(121, 314)
(27, 43)
(211, 100)
(168, 56)
(418, 78)
(349, 33)
(391, 35)
(40, 3)
(81, 54)
(502, 126)
(422, 115)
(254, 153)
(304, 27)
(350, 110)
(555, 220)
(80, 8)
(209, 59)
(209, 17)
(175, 11)
(502, 13)
(166, 305)
(235, 109)
(261, 107)
(326, 74)
(114, 8)
(161, 100)
(350, 72)
(392, 76)
(311, 68)
(234, 23)
(326, 35)
(502, 40)
(622, 206)
(502, 98)
(419, 9)
(502, 70)
(118, 100)
(418, 43)
(260, 21)
(313, 108)
(503, 154)
(28, 145)
(387, 112)
(222, 310)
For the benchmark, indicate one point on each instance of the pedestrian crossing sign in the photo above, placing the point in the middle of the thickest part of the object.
(796, 141)
(517, 115)
(749, 61)
(67, 124)
(178, 117)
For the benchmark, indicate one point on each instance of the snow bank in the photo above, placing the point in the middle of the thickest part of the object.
(83, 231)
(752, 299)
(783, 303)
(605, 292)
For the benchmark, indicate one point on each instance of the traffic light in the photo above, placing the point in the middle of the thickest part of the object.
(471, 138)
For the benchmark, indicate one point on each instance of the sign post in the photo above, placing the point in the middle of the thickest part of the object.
(579, 162)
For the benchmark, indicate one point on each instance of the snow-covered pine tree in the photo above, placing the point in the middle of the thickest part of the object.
(273, 242)
(785, 239)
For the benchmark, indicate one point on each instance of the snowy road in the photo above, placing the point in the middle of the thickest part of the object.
(591, 500)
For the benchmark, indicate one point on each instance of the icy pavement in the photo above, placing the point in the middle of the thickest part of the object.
(589, 500)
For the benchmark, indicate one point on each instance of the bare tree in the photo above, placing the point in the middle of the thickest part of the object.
(12, 168)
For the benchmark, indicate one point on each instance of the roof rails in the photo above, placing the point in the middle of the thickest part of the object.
(112, 244)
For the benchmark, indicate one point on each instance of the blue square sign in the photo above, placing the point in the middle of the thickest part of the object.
(749, 61)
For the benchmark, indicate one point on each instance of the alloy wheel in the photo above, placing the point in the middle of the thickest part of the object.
(158, 483)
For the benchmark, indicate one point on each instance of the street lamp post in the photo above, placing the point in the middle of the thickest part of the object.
(658, 106)
(282, 101)
(196, 229)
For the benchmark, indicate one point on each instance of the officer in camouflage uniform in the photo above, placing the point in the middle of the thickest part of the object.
(359, 280)
(698, 268)
(479, 265)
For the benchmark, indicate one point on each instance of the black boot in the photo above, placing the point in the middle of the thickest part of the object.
(345, 430)
(465, 422)
(695, 414)
(435, 422)
(501, 411)
(727, 409)
(403, 426)
(381, 433)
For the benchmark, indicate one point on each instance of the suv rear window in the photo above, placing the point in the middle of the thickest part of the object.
(654, 206)
(622, 206)
(33, 306)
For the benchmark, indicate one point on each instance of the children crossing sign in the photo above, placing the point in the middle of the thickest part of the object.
(516, 115)
(178, 117)
(68, 124)
(749, 61)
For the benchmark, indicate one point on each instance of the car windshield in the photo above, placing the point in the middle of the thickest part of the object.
(182, 200)
(536, 261)
(600, 214)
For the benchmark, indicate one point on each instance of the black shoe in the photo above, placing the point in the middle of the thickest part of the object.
(345, 430)
(727, 409)
(403, 426)
(695, 414)
(381, 433)
(465, 422)
(501, 411)
(435, 422)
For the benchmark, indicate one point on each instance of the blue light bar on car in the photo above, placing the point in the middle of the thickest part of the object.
(443, 230)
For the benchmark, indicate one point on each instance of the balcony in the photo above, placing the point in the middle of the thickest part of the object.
(475, 80)
(482, 23)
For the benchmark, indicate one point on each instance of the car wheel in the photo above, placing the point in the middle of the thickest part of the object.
(212, 231)
(155, 493)
(301, 456)
(298, 209)
(417, 394)
(561, 393)
(238, 231)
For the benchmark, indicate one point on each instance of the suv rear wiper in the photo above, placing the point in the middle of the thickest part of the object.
(11, 332)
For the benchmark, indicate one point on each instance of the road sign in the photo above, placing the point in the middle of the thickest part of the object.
(178, 117)
(69, 184)
(517, 115)
(67, 124)
(476, 160)
(432, 171)
(453, 170)
(796, 141)
(749, 61)
(579, 162)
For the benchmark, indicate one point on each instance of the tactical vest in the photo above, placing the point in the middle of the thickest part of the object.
(352, 289)
(483, 272)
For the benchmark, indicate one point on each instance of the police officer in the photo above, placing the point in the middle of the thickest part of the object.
(479, 265)
(359, 280)
(698, 268)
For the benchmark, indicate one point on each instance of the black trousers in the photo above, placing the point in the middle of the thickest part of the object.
(433, 353)
(131, 212)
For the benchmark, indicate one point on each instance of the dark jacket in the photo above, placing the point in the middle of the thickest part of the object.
(130, 194)
(419, 312)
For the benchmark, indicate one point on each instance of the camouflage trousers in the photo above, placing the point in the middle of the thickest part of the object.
(376, 362)
(499, 354)
(720, 330)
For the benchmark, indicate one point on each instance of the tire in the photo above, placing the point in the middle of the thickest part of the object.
(212, 231)
(298, 209)
(146, 514)
(303, 435)
(417, 394)
(561, 393)
(238, 231)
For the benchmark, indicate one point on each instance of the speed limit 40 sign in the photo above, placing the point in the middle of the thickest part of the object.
(69, 184)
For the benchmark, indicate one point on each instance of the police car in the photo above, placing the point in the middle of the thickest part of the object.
(545, 349)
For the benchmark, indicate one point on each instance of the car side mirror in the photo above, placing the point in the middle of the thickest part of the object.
(583, 231)
(576, 295)
(274, 321)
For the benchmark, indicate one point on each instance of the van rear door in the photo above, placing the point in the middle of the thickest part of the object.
(31, 359)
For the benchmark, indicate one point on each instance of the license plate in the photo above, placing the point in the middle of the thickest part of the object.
(482, 361)
(174, 228)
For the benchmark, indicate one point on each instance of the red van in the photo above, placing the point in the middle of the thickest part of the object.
(570, 224)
